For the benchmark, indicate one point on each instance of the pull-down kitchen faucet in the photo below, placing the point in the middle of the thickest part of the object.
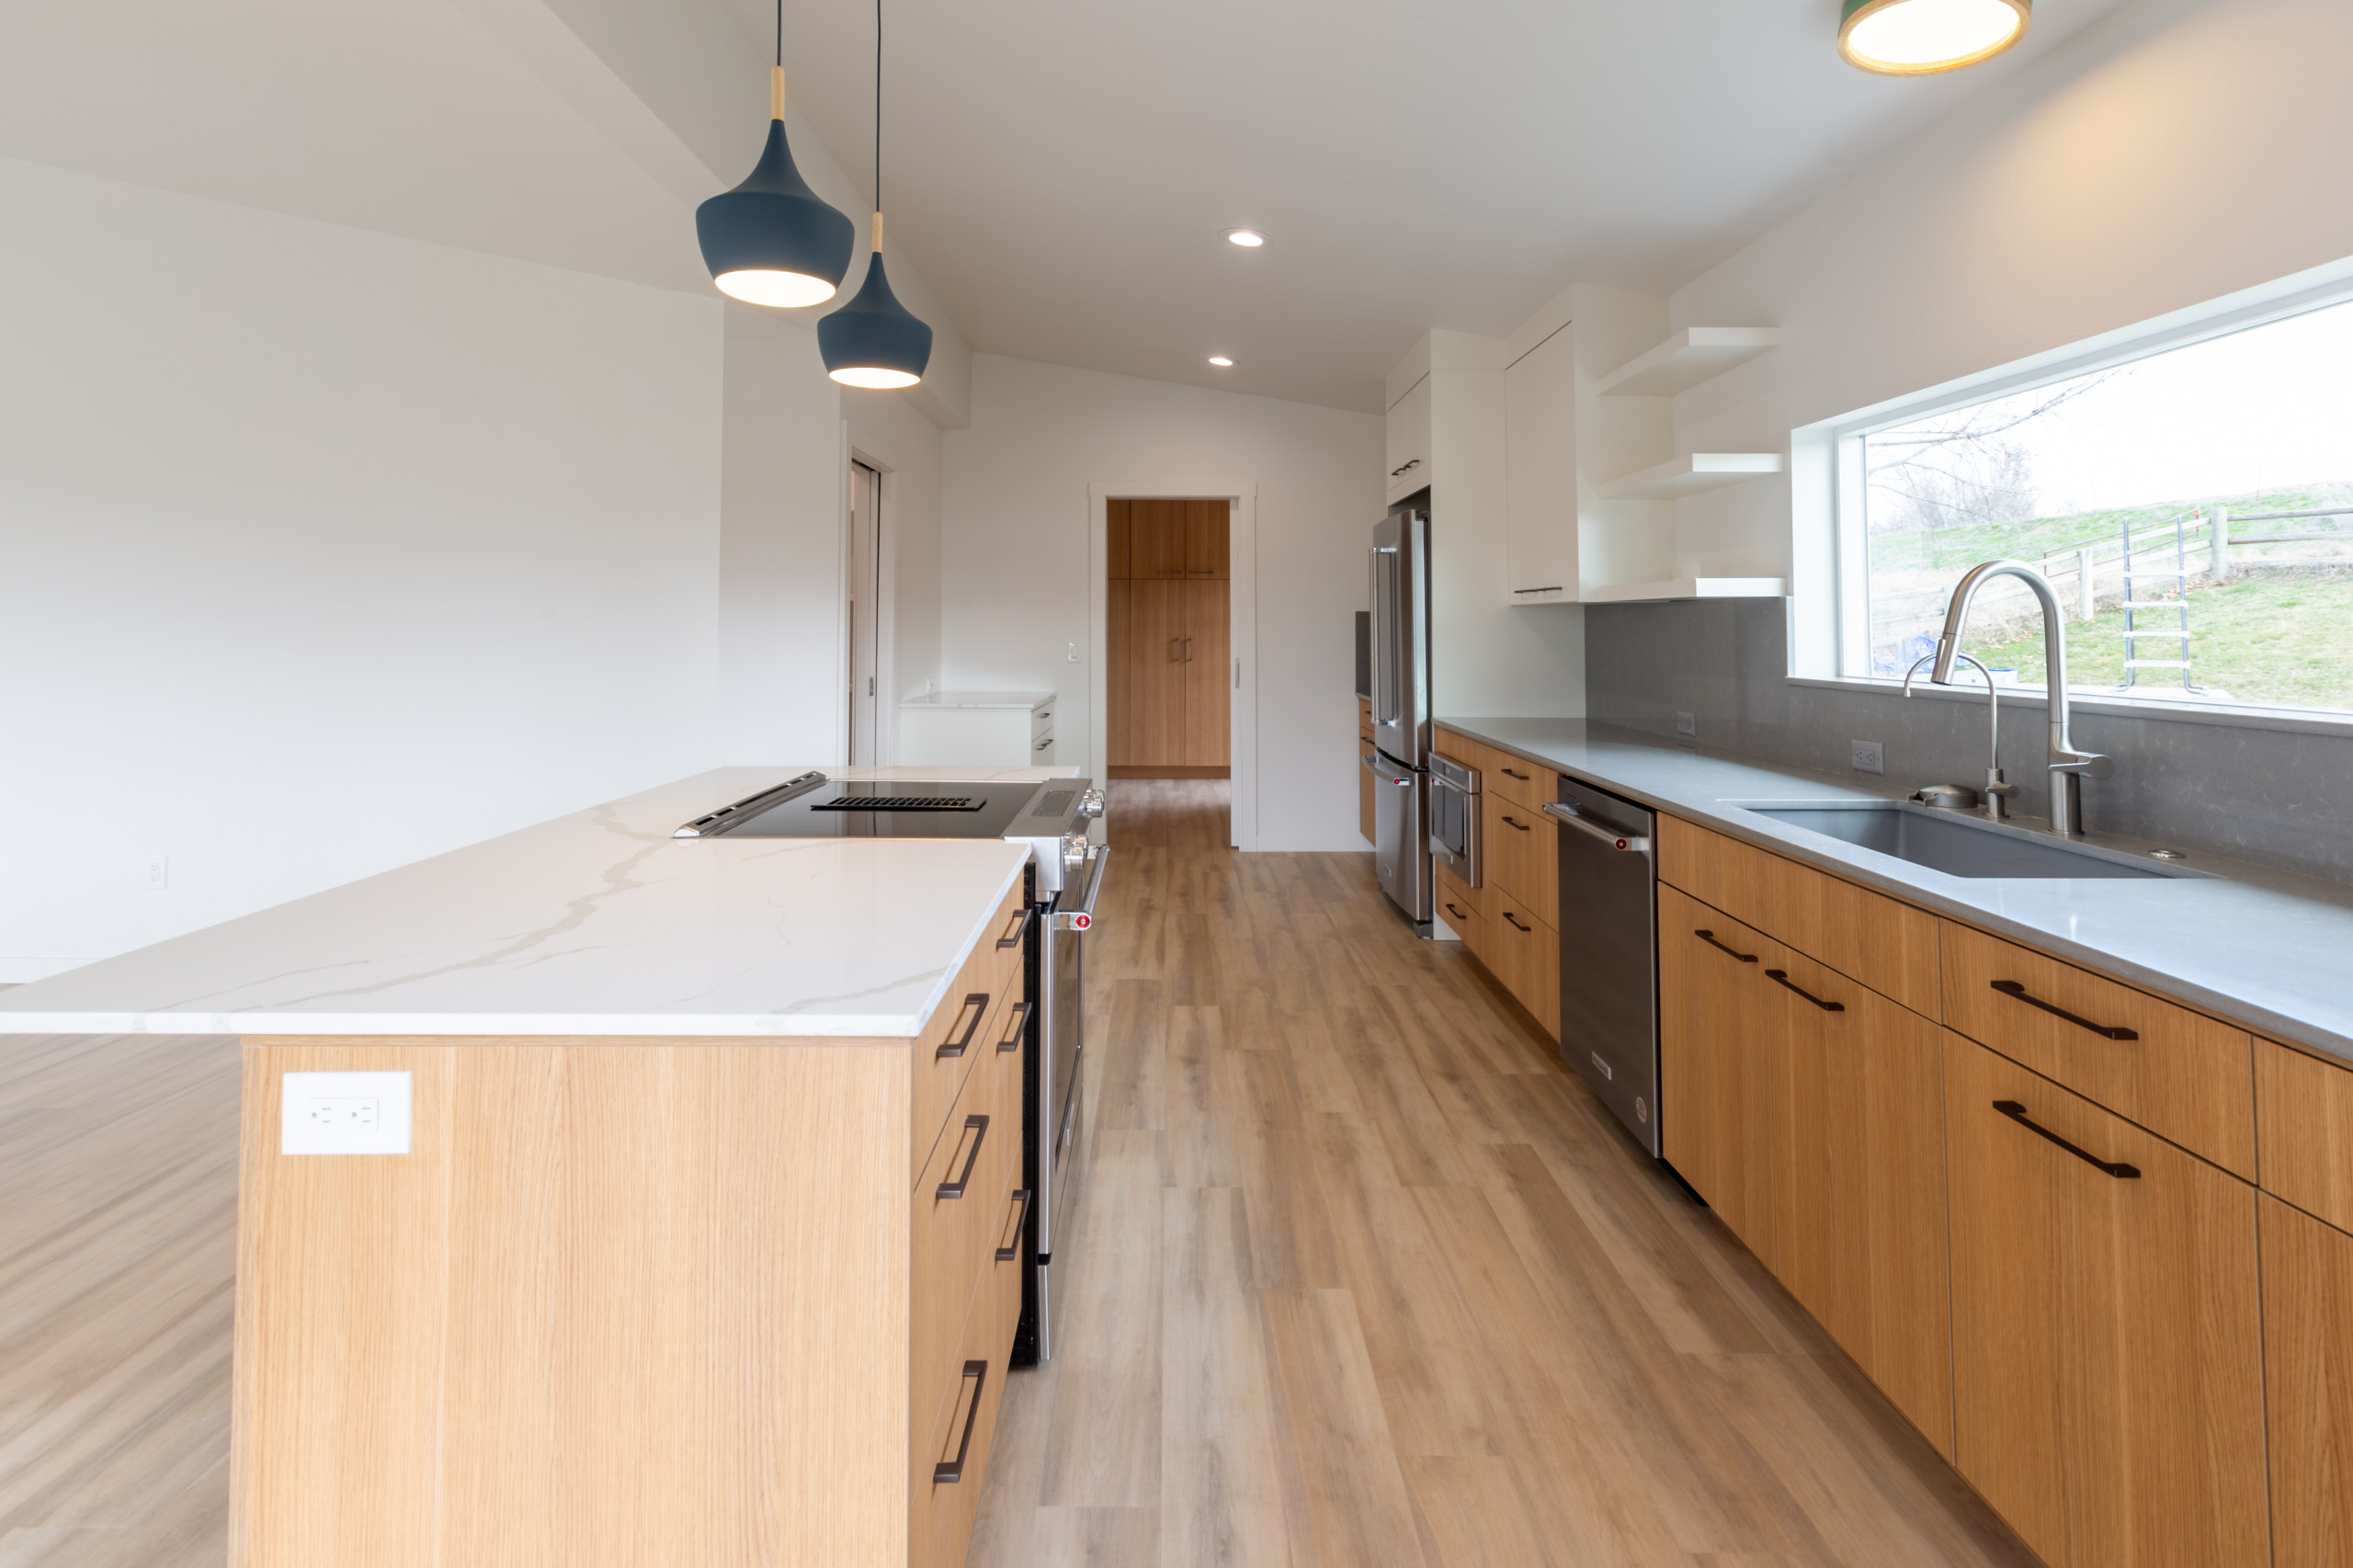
(2069, 767)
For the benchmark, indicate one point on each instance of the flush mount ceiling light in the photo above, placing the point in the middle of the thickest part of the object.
(1916, 38)
(1249, 239)
(1221, 361)
(773, 241)
(873, 341)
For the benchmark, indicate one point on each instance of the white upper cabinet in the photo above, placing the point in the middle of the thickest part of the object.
(1541, 472)
(1409, 440)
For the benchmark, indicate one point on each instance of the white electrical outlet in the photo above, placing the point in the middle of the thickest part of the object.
(159, 873)
(1073, 652)
(1686, 723)
(1867, 756)
(344, 1113)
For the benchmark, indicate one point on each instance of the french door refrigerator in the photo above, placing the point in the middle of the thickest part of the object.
(1398, 565)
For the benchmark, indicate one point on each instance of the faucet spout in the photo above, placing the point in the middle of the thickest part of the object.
(2068, 766)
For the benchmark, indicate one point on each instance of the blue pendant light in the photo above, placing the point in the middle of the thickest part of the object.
(773, 241)
(874, 341)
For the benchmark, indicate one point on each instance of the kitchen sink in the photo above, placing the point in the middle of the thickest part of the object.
(1961, 846)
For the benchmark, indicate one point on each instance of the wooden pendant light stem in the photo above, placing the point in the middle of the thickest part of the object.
(878, 233)
(776, 93)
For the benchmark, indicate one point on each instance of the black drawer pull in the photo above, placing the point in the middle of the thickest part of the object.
(1780, 977)
(1456, 913)
(979, 1002)
(1020, 923)
(1517, 925)
(1008, 1253)
(1515, 821)
(2016, 1113)
(979, 1127)
(1507, 772)
(1016, 1021)
(1710, 937)
(2013, 989)
(949, 1471)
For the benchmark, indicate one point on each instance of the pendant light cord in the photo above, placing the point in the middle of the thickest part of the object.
(878, 105)
(780, 34)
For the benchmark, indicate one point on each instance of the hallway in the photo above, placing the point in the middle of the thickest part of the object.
(1367, 1279)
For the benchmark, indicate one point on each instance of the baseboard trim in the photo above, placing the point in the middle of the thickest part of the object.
(17, 971)
(1148, 770)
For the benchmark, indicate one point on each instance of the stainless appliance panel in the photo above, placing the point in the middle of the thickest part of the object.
(1398, 567)
(1055, 1096)
(1454, 818)
(1608, 927)
(1400, 834)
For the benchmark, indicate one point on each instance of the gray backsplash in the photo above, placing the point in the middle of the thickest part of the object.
(2280, 798)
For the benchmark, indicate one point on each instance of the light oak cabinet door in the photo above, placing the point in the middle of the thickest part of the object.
(1208, 669)
(1520, 852)
(1859, 1178)
(2108, 1385)
(1148, 622)
(2304, 1109)
(1715, 1059)
(1207, 527)
(1155, 539)
(1528, 959)
(2308, 1368)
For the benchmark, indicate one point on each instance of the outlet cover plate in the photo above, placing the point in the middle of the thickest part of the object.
(1867, 756)
(1686, 723)
(344, 1113)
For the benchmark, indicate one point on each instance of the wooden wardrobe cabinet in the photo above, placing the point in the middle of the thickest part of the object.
(1171, 641)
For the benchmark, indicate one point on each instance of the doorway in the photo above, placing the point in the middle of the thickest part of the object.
(865, 612)
(1169, 666)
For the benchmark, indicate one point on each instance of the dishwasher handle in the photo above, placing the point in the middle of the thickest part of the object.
(1567, 816)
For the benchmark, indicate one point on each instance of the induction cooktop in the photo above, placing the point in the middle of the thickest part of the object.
(814, 806)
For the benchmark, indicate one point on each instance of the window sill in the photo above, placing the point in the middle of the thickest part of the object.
(2292, 720)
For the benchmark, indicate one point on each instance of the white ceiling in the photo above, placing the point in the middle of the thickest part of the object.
(1060, 171)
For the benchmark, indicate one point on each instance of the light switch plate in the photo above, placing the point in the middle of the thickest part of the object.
(344, 1113)
(1867, 756)
(1686, 723)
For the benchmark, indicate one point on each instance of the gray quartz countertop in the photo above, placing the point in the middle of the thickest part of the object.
(2272, 950)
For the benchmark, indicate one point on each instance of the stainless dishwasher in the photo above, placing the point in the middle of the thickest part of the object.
(1608, 925)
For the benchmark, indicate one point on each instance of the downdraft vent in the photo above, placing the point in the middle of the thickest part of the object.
(902, 803)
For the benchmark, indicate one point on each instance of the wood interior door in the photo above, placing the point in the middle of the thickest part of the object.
(2107, 1384)
(1858, 1213)
(1714, 1060)
(1208, 688)
(1154, 673)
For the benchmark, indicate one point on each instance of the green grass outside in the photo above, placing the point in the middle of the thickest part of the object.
(2280, 639)
(1955, 549)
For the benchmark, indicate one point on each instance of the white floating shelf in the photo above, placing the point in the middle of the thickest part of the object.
(1686, 359)
(1690, 588)
(1690, 475)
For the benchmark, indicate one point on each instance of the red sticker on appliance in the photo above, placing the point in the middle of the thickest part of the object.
(1081, 922)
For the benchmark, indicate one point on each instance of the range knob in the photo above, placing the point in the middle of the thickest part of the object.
(1090, 806)
(1074, 852)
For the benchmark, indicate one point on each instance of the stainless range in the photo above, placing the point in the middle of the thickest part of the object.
(1062, 879)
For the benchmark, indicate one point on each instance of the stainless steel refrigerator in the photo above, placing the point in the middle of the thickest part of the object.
(1398, 567)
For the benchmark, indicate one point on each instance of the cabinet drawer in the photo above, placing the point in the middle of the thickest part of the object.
(952, 1042)
(1520, 851)
(949, 1462)
(2303, 1128)
(1456, 901)
(960, 1209)
(2180, 1074)
(1528, 960)
(1888, 944)
(1523, 783)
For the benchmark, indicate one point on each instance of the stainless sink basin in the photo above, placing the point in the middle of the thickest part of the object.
(1961, 846)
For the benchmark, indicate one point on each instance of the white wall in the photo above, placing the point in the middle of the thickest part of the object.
(321, 551)
(1015, 554)
(888, 429)
(2173, 153)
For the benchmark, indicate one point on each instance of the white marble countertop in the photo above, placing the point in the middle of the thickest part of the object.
(599, 923)
(1020, 699)
(2249, 943)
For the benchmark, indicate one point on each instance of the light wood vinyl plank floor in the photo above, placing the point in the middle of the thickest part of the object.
(1367, 1279)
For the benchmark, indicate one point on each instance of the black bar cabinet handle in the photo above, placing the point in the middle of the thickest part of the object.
(1515, 925)
(1507, 772)
(1014, 1022)
(1710, 937)
(979, 1002)
(1515, 821)
(1780, 977)
(1456, 913)
(1008, 1254)
(2013, 989)
(2016, 1113)
(1020, 921)
(956, 1188)
(949, 1471)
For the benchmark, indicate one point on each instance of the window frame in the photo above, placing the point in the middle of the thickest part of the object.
(1841, 578)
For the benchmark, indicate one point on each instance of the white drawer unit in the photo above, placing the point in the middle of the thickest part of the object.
(978, 729)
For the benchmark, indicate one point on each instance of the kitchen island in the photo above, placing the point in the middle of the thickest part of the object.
(688, 1238)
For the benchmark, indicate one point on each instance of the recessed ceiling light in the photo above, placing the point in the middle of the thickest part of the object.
(1251, 238)
(1221, 361)
(1916, 38)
